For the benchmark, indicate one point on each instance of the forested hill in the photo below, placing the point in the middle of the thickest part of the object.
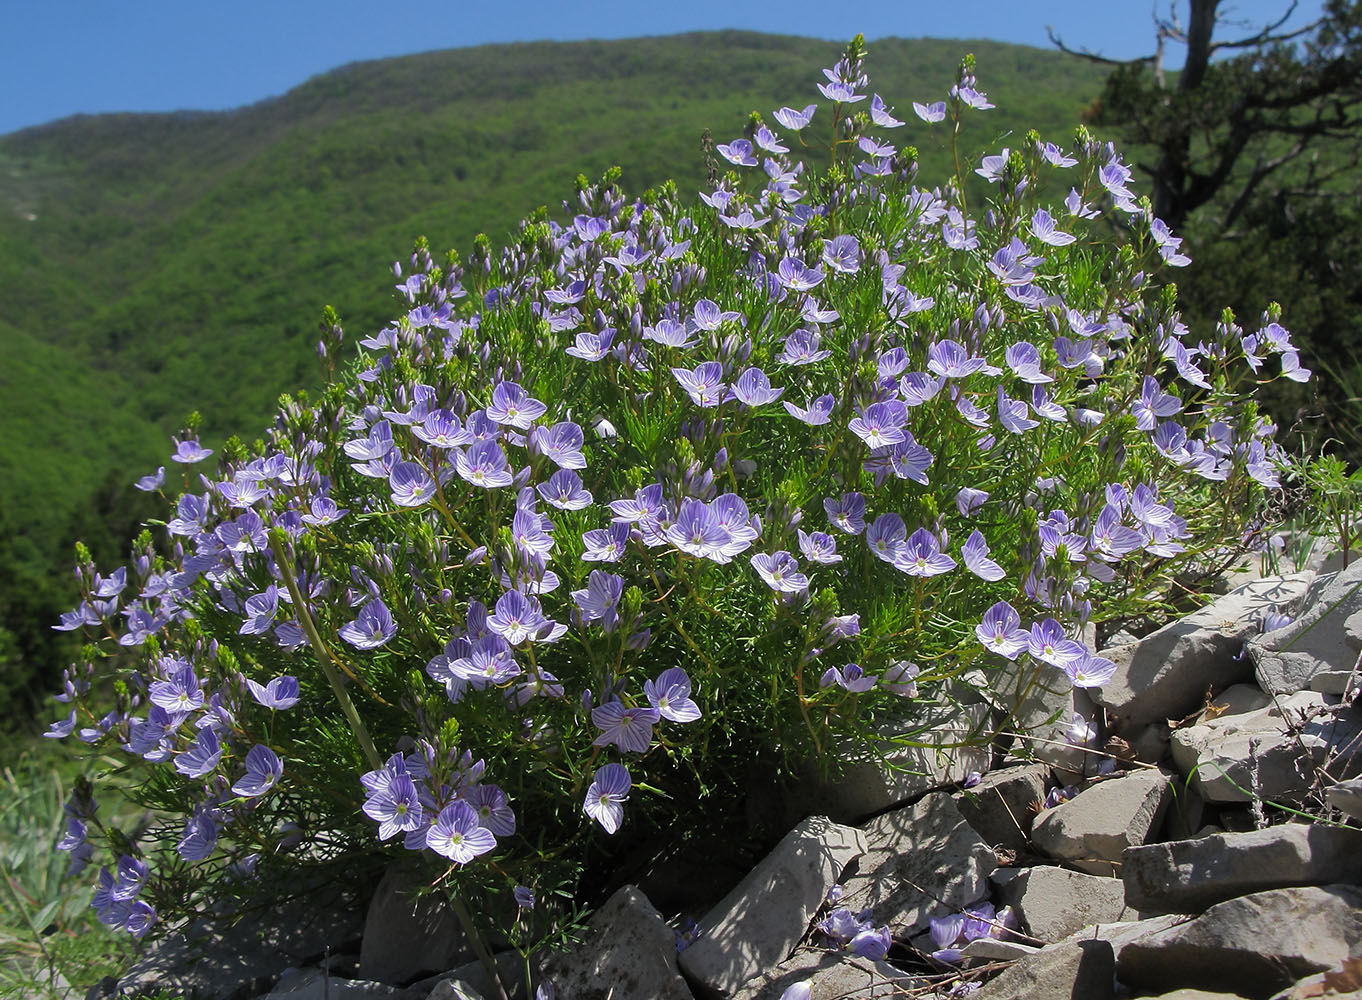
(155, 264)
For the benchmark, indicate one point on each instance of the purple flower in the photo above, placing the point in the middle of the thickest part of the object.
(794, 275)
(528, 534)
(606, 544)
(493, 809)
(323, 511)
(411, 485)
(802, 347)
(600, 598)
(818, 412)
(818, 547)
(1012, 414)
(1023, 358)
(696, 530)
(442, 429)
(1090, 670)
(190, 452)
(180, 694)
(200, 836)
(886, 537)
(564, 490)
(263, 770)
(842, 253)
(846, 514)
(946, 931)
(917, 388)
(921, 555)
(377, 444)
(703, 384)
(202, 756)
(738, 152)
(975, 554)
(1048, 644)
(754, 388)
(1043, 228)
(851, 677)
(280, 693)
(930, 113)
(879, 114)
(517, 617)
(513, 406)
(780, 571)
(1001, 631)
(524, 897)
(794, 120)
(1153, 404)
(871, 943)
(968, 501)
(880, 424)
(1081, 732)
(152, 483)
(609, 788)
(670, 695)
(900, 678)
(630, 729)
(562, 443)
(457, 835)
(373, 628)
(396, 807)
(484, 464)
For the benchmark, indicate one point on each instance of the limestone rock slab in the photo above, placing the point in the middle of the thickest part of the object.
(1165, 674)
(1320, 639)
(629, 951)
(921, 861)
(830, 976)
(1093, 829)
(1055, 902)
(407, 933)
(999, 807)
(1187, 876)
(1215, 753)
(758, 924)
(1254, 945)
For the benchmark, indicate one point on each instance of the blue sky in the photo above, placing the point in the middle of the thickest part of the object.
(63, 57)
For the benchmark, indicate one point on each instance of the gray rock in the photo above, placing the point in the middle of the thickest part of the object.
(831, 976)
(1191, 994)
(1254, 945)
(472, 978)
(314, 984)
(1069, 970)
(1319, 639)
(999, 807)
(871, 781)
(1038, 704)
(1055, 902)
(628, 951)
(758, 924)
(994, 950)
(1215, 753)
(408, 932)
(1165, 675)
(1187, 876)
(453, 989)
(1092, 829)
(1339, 682)
(1346, 797)
(212, 961)
(921, 861)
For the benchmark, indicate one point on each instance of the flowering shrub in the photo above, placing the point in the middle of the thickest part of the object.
(666, 489)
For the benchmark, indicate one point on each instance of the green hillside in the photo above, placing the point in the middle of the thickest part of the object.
(151, 265)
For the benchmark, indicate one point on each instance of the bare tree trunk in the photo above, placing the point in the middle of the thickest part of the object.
(1170, 174)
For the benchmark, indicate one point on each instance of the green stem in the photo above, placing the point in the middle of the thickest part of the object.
(323, 656)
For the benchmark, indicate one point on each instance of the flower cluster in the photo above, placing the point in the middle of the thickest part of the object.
(591, 515)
